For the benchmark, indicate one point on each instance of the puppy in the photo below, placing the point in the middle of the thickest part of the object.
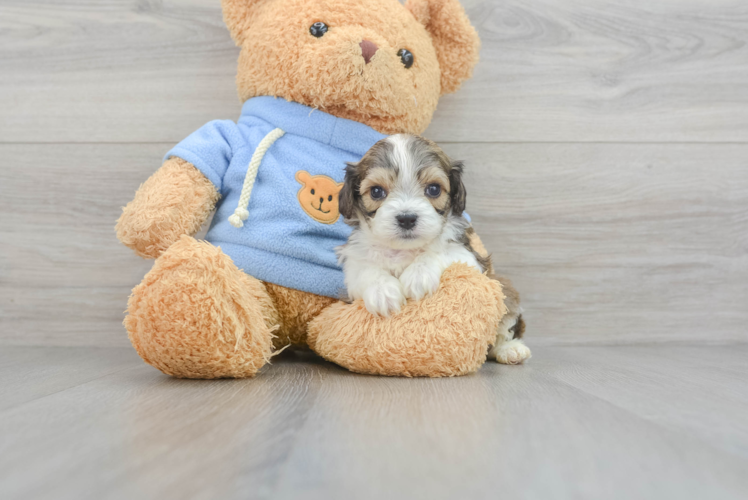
(405, 201)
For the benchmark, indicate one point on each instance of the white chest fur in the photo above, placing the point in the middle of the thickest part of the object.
(393, 260)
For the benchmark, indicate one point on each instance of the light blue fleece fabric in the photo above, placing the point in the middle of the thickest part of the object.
(279, 242)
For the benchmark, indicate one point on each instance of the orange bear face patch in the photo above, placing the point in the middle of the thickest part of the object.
(318, 196)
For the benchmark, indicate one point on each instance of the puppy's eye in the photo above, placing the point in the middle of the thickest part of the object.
(433, 190)
(406, 57)
(377, 193)
(318, 29)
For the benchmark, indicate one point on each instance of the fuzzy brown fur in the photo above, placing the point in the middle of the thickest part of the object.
(295, 310)
(446, 334)
(197, 315)
(280, 58)
(177, 199)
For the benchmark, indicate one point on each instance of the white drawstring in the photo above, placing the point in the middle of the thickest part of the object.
(241, 213)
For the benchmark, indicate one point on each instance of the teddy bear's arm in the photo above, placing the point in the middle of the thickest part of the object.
(176, 200)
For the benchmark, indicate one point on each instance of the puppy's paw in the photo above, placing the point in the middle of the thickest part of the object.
(512, 352)
(420, 280)
(384, 297)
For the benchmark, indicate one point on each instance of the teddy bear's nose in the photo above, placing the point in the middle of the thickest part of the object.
(368, 49)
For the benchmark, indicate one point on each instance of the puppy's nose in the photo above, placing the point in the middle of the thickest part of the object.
(407, 221)
(368, 49)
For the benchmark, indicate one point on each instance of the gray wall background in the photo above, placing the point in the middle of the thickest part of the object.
(606, 144)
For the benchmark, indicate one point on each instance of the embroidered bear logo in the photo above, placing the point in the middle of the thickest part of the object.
(318, 196)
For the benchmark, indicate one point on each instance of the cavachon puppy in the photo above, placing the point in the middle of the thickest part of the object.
(405, 201)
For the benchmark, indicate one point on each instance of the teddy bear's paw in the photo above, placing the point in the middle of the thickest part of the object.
(420, 280)
(512, 352)
(196, 315)
(384, 297)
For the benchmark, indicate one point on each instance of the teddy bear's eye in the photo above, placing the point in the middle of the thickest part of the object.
(312, 191)
(318, 29)
(406, 57)
(329, 198)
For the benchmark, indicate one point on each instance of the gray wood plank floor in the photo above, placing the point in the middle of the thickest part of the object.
(648, 421)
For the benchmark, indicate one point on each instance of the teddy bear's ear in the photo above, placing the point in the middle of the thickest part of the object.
(454, 38)
(238, 15)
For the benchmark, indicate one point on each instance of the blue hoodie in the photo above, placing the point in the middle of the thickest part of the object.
(282, 241)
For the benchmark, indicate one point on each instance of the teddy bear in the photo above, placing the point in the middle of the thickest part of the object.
(321, 82)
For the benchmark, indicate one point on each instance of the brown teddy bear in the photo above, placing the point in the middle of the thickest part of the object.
(321, 82)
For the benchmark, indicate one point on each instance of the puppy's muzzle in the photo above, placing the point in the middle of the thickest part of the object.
(407, 221)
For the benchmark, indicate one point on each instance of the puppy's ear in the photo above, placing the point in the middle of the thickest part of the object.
(349, 192)
(238, 15)
(457, 193)
(454, 38)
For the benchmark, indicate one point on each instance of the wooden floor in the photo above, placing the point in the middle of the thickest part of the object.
(623, 422)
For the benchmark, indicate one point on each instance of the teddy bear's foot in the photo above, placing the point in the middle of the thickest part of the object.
(196, 315)
(442, 335)
(511, 352)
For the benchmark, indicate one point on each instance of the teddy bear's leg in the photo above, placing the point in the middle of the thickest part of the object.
(196, 315)
(295, 310)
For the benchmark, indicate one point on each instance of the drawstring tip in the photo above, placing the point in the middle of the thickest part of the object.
(240, 214)
(235, 221)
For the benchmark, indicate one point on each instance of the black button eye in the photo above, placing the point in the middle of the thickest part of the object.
(312, 191)
(329, 198)
(433, 190)
(318, 29)
(406, 57)
(377, 193)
